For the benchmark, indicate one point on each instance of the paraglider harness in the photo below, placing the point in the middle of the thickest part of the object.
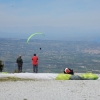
(68, 71)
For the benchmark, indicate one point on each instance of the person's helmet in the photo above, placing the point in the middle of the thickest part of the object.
(67, 70)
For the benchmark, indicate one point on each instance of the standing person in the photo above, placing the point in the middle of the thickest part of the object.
(35, 63)
(19, 62)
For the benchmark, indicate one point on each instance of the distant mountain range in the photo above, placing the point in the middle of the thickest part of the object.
(69, 39)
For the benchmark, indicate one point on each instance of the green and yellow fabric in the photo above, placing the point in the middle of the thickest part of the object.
(63, 76)
(90, 76)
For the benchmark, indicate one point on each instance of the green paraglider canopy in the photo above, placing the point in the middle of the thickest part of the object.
(34, 35)
(89, 76)
(63, 76)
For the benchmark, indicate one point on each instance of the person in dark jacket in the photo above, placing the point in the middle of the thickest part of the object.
(35, 63)
(19, 62)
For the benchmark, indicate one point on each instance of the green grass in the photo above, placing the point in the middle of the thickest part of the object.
(14, 79)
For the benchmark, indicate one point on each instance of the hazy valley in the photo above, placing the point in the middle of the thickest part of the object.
(54, 56)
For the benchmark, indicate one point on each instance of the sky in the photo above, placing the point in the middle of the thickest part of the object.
(57, 19)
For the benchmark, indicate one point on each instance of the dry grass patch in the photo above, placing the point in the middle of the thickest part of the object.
(14, 79)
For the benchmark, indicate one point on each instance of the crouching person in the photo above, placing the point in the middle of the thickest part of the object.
(1, 66)
(68, 71)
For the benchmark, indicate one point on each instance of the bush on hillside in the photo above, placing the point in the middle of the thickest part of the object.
(1, 66)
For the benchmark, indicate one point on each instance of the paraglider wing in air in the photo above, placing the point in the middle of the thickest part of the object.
(38, 33)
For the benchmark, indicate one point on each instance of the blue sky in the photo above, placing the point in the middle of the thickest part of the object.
(57, 19)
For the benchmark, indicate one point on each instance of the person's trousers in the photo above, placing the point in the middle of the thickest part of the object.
(19, 68)
(35, 68)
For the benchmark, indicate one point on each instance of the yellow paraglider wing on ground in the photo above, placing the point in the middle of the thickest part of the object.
(89, 76)
(63, 77)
